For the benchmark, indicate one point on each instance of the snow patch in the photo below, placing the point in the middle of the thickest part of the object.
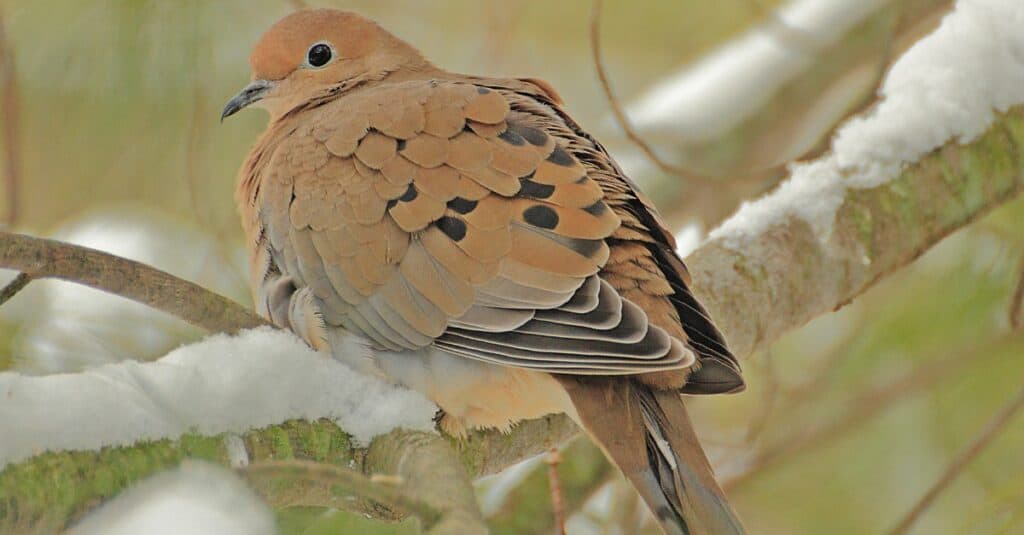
(221, 384)
(688, 239)
(196, 498)
(947, 86)
(67, 327)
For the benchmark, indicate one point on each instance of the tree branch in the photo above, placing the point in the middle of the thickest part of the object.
(758, 287)
(795, 120)
(12, 288)
(40, 258)
(431, 471)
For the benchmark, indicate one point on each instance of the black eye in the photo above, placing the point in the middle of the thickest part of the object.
(319, 54)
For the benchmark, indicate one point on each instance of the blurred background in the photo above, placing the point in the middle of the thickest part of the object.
(110, 138)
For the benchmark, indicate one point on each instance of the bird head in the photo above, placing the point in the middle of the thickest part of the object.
(318, 54)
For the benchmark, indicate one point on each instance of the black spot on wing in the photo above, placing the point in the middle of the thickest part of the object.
(512, 138)
(452, 227)
(533, 190)
(462, 206)
(560, 156)
(532, 135)
(541, 216)
(410, 194)
(596, 209)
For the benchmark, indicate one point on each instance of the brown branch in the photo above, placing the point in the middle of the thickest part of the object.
(994, 427)
(557, 502)
(616, 107)
(1017, 301)
(9, 110)
(18, 284)
(40, 258)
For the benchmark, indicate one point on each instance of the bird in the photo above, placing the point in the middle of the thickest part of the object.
(464, 237)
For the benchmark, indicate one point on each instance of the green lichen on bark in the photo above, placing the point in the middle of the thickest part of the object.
(53, 489)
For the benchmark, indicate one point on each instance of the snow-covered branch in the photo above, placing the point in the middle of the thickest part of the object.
(771, 95)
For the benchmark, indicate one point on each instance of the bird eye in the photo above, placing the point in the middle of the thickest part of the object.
(319, 55)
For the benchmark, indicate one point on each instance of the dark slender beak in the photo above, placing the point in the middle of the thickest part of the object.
(252, 92)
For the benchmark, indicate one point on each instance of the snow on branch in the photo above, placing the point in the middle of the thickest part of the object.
(946, 87)
(942, 146)
(222, 384)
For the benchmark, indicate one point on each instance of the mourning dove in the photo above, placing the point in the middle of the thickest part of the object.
(480, 247)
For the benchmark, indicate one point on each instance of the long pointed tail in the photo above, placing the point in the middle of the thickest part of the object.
(648, 435)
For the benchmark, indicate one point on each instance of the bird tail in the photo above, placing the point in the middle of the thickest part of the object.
(648, 435)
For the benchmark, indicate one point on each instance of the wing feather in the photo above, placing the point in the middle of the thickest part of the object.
(429, 213)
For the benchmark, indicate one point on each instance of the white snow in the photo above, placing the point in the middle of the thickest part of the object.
(946, 87)
(221, 384)
(688, 239)
(197, 498)
(702, 101)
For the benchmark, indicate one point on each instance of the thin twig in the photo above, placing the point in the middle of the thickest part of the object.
(18, 284)
(335, 479)
(865, 406)
(41, 258)
(869, 98)
(991, 431)
(9, 112)
(620, 115)
(557, 503)
(1016, 313)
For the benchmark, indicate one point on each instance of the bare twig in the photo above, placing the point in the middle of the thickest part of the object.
(18, 284)
(41, 258)
(870, 97)
(994, 427)
(866, 405)
(557, 504)
(1017, 301)
(620, 114)
(9, 112)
